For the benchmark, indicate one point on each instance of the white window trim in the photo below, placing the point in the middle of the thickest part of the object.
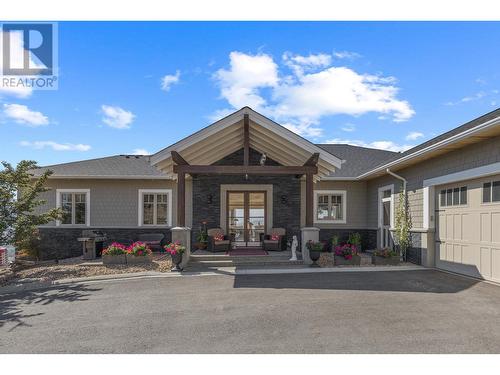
(141, 204)
(343, 193)
(87, 204)
(380, 200)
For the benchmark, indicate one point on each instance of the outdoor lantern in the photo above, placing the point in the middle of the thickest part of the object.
(284, 199)
(209, 199)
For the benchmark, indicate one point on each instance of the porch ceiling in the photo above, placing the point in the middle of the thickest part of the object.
(226, 136)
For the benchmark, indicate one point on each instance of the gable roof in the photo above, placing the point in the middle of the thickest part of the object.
(119, 166)
(226, 136)
(357, 160)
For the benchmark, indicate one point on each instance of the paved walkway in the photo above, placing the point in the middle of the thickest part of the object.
(340, 312)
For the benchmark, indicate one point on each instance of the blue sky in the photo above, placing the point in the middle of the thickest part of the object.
(128, 87)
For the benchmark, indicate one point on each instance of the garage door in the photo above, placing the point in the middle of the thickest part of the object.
(468, 228)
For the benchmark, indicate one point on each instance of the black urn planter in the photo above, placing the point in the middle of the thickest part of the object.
(314, 255)
(177, 260)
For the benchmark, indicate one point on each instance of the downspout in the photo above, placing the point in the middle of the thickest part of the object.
(399, 178)
(404, 192)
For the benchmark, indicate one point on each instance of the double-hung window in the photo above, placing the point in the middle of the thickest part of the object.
(74, 204)
(155, 207)
(330, 206)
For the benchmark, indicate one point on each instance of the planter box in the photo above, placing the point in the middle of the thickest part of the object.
(132, 259)
(381, 261)
(114, 259)
(341, 261)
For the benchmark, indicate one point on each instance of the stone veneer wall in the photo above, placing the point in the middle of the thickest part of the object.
(207, 187)
(60, 243)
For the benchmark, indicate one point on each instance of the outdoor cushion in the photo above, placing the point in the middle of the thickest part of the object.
(223, 242)
(275, 236)
(152, 242)
(219, 237)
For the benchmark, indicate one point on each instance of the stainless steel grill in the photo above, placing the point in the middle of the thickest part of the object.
(93, 243)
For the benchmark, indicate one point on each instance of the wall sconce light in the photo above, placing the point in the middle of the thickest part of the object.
(284, 199)
(210, 198)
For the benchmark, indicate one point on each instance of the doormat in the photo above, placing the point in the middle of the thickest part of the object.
(247, 251)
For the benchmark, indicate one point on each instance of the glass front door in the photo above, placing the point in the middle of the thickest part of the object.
(246, 217)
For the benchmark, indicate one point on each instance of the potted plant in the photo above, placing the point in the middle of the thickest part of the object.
(202, 237)
(139, 253)
(176, 250)
(315, 249)
(114, 254)
(334, 242)
(384, 257)
(347, 255)
(355, 239)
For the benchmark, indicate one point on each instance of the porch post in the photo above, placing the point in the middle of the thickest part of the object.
(181, 199)
(309, 200)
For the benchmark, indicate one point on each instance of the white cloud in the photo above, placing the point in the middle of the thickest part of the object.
(140, 151)
(412, 136)
(169, 80)
(23, 115)
(55, 146)
(313, 91)
(348, 127)
(381, 145)
(470, 98)
(247, 74)
(117, 117)
(346, 55)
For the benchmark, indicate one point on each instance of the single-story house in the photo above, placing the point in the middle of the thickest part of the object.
(247, 174)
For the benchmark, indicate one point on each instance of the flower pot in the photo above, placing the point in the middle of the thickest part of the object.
(114, 259)
(385, 261)
(341, 261)
(314, 255)
(202, 245)
(139, 259)
(177, 260)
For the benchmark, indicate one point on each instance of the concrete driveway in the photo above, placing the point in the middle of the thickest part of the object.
(356, 312)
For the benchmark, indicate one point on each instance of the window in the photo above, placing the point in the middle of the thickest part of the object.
(330, 206)
(453, 197)
(491, 192)
(155, 207)
(74, 205)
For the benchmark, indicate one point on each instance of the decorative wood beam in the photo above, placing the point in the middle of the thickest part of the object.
(313, 160)
(246, 139)
(248, 169)
(181, 199)
(309, 200)
(178, 159)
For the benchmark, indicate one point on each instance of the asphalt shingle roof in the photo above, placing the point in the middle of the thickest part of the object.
(119, 165)
(358, 159)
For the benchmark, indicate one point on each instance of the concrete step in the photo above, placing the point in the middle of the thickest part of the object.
(241, 262)
(196, 258)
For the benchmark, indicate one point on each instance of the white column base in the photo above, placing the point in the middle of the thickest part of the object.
(308, 234)
(183, 236)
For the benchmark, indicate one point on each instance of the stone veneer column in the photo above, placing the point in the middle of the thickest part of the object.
(308, 234)
(183, 236)
(428, 249)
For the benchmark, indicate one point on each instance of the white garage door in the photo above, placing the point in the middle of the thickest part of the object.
(468, 227)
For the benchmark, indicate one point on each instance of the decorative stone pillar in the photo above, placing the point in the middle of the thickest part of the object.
(183, 236)
(428, 249)
(308, 234)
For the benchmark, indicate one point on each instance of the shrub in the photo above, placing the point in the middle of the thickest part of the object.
(174, 248)
(315, 246)
(115, 249)
(346, 251)
(335, 241)
(354, 239)
(139, 249)
(385, 253)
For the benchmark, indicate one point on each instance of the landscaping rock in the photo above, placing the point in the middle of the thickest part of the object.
(326, 260)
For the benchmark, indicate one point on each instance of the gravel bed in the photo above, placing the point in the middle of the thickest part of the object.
(73, 269)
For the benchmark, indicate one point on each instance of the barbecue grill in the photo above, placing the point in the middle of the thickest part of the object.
(93, 243)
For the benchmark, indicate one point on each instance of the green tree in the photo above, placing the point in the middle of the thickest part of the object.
(19, 199)
(403, 224)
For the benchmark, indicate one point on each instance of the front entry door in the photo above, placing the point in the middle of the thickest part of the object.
(246, 217)
(385, 217)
